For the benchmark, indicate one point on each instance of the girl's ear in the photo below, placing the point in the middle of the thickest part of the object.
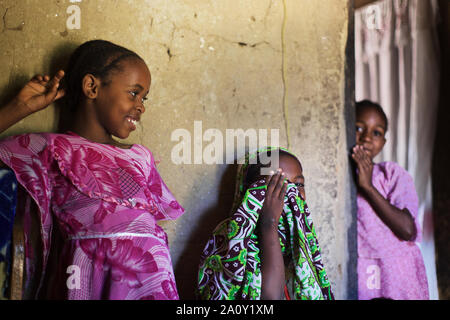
(90, 85)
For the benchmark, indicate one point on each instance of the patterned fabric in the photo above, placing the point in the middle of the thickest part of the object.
(8, 196)
(230, 267)
(387, 266)
(104, 202)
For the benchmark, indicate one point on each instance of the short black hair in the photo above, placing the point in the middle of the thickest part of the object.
(367, 104)
(96, 57)
(253, 171)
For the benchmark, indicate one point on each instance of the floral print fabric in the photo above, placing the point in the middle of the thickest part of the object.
(230, 267)
(104, 201)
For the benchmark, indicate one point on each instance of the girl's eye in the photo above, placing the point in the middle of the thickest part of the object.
(377, 133)
(299, 185)
(134, 94)
(359, 129)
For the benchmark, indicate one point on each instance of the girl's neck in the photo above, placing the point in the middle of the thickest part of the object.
(94, 138)
(88, 135)
(85, 126)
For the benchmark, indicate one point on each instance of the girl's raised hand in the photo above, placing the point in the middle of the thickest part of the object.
(274, 201)
(365, 167)
(272, 263)
(39, 92)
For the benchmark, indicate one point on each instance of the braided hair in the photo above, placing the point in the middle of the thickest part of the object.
(97, 57)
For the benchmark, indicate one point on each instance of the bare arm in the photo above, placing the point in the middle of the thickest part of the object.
(272, 263)
(37, 94)
(400, 221)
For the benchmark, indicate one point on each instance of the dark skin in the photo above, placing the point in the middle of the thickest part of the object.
(37, 94)
(110, 109)
(272, 263)
(106, 110)
(370, 140)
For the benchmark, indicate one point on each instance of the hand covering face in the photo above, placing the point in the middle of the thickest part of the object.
(230, 266)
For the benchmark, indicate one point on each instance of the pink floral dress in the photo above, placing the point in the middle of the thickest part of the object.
(387, 266)
(104, 202)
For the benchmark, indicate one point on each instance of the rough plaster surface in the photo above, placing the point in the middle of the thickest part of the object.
(230, 64)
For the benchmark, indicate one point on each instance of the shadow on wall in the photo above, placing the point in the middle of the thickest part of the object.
(186, 269)
(56, 60)
(15, 83)
(60, 59)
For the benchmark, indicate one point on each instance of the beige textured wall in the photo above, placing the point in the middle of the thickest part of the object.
(230, 64)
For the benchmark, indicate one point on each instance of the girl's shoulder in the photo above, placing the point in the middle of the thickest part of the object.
(393, 172)
(43, 139)
(77, 140)
(26, 142)
(390, 166)
(143, 150)
(73, 142)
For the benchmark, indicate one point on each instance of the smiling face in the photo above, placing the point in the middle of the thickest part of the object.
(293, 171)
(370, 131)
(119, 103)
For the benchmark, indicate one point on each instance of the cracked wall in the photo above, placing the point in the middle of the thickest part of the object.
(230, 64)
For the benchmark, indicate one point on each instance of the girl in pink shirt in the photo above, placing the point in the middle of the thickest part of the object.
(98, 200)
(390, 264)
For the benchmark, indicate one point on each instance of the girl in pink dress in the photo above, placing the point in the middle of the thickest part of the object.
(390, 264)
(98, 199)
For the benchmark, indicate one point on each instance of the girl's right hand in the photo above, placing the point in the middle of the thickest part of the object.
(39, 92)
(272, 262)
(274, 200)
(365, 168)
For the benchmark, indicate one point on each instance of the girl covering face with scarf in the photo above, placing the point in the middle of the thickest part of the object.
(268, 248)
